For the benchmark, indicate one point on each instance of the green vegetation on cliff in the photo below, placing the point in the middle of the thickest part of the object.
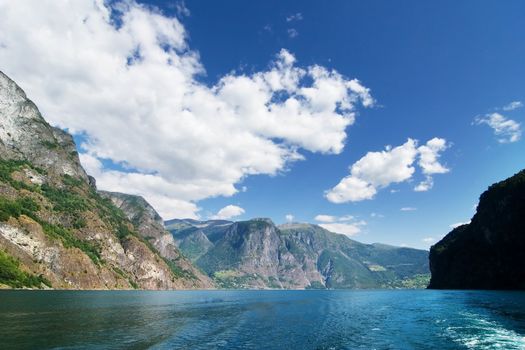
(13, 276)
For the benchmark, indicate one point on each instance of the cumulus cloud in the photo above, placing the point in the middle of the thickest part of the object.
(289, 217)
(228, 212)
(122, 74)
(506, 130)
(429, 156)
(429, 162)
(512, 106)
(378, 170)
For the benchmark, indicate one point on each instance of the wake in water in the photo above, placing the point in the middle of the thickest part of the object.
(477, 332)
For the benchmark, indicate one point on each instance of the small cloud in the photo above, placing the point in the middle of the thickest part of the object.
(325, 218)
(512, 106)
(268, 28)
(344, 228)
(457, 224)
(295, 17)
(292, 33)
(408, 209)
(394, 191)
(182, 10)
(244, 189)
(376, 215)
(506, 130)
(344, 225)
(425, 185)
(289, 217)
(428, 239)
(228, 212)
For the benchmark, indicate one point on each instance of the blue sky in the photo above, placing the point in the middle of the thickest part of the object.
(432, 67)
(435, 70)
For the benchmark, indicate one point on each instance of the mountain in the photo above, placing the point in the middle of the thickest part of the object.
(488, 252)
(57, 231)
(194, 237)
(150, 226)
(258, 254)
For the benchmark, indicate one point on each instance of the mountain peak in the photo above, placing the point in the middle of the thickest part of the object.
(25, 135)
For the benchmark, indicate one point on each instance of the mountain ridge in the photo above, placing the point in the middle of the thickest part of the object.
(259, 254)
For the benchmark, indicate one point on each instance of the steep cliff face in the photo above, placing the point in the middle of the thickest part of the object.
(55, 229)
(258, 254)
(488, 252)
(150, 226)
(25, 135)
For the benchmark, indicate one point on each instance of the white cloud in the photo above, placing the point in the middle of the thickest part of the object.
(133, 90)
(346, 218)
(346, 224)
(506, 130)
(512, 106)
(457, 224)
(182, 10)
(351, 189)
(429, 156)
(429, 239)
(295, 17)
(289, 217)
(293, 33)
(425, 185)
(325, 218)
(228, 212)
(378, 170)
(343, 228)
(408, 209)
(429, 162)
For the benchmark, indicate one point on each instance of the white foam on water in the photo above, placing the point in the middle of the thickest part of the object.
(480, 333)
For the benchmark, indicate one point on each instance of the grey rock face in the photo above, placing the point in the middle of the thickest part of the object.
(150, 226)
(24, 134)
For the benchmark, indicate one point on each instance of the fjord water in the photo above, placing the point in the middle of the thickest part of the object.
(406, 319)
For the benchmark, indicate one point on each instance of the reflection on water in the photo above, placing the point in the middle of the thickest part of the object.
(262, 320)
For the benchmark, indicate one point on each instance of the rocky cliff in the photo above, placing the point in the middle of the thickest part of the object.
(150, 226)
(56, 230)
(258, 254)
(487, 253)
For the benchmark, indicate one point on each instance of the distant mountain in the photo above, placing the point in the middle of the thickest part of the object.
(489, 252)
(57, 231)
(258, 254)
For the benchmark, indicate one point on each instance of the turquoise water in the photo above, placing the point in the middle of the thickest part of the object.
(262, 320)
